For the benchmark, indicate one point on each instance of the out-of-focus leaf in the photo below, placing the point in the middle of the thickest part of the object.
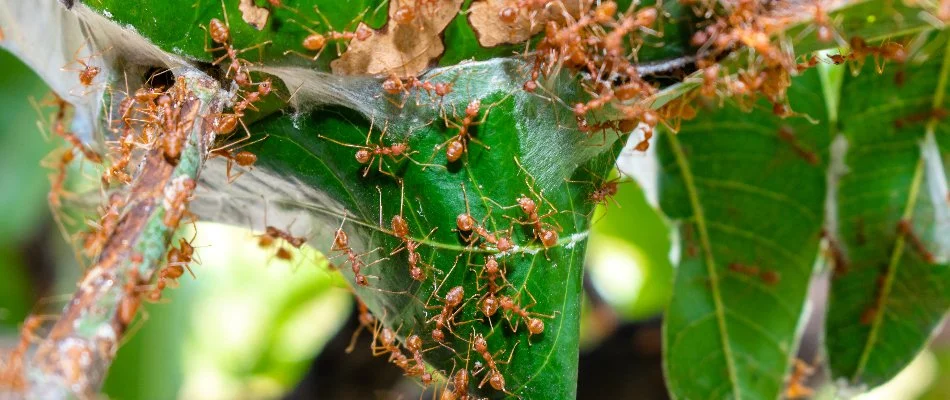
(25, 183)
(749, 205)
(891, 293)
(14, 291)
(628, 255)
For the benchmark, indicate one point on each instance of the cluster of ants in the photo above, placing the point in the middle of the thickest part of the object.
(597, 41)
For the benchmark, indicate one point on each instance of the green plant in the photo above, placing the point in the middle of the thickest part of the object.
(421, 179)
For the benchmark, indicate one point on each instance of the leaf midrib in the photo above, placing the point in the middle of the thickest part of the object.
(720, 312)
(907, 215)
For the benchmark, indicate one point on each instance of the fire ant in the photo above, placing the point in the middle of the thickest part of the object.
(493, 376)
(367, 154)
(796, 387)
(603, 192)
(458, 145)
(395, 85)
(414, 346)
(466, 224)
(544, 232)
(786, 134)
(88, 73)
(401, 230)
(446, 316)
(535, 325)
(96, 239)
(220, 33)
(317, 42)
(341, 243)
(59, 128)
(366, 319)
(176, 199)
(905, 229)
(129, 304)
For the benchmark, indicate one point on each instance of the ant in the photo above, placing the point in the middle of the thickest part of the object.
(96, 239)
(395, 85)
(176, 199)
(786, 134)
(317, 42)
(401, 230)
(493, 376)
(446, 317)
(341, 243)
(129, 304)
(88, 73)
(904, 228)
(544, 232)
(466, 224)
(59, 128)
(220, 33)
(414, 346)
(535, 325)
(603, 192)
(457, 145)
(796, 387)
(366, 319)
(367, 154)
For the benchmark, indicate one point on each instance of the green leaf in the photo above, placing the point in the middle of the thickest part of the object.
(163, 23)
(887, 299)
(749, 213)
(305, 177)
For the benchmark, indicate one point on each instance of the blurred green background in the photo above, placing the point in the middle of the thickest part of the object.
(250, 325)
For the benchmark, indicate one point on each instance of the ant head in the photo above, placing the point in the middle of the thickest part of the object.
(400, 227)
(527, 205)
(363, 33)
(392, 85)
(481, 345)
(472, 109)
(465, 222)
(404, 15)
(504, 244)
(414, 343)
(605, 12)
(340, 240)
(491, 264)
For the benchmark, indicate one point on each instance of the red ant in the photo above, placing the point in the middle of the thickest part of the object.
(796, 388)
(401, 230)
(446, 317)
(59, 128)
(220, 33)
(786, 134)
(493, 376)
(603, 192)
(414, 346)
(905, 228)
(366, 319)
(466, 224)
(97, 238)
(544, 232)
(367, 153)
(176, 199)
(535, 325)
(458, 144)
(341, 243)
(317, 42)
(88, 72)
